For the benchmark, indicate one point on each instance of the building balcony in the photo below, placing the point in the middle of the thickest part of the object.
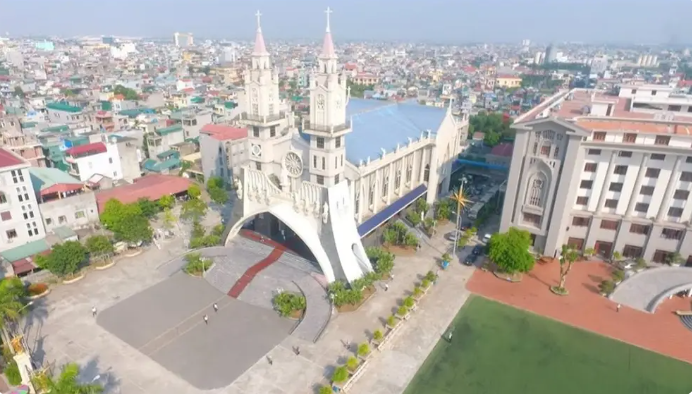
(264, 118)
(326, 129)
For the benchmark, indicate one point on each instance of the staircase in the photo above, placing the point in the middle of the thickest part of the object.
(318, 311)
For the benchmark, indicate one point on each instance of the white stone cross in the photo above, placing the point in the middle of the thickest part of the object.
(258, 15)
(328, 12)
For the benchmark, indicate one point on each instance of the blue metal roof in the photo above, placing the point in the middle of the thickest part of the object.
(380, 217)
(384, 124)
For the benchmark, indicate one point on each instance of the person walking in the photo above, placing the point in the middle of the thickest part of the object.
(206, 319)
(93, 311)
(216, 307)
(618, 307)
(270, 361)
(386, 287)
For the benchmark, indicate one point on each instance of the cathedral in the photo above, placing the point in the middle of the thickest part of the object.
(334, 178)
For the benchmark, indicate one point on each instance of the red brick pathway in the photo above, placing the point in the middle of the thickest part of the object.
(255, 269)
(661, 332)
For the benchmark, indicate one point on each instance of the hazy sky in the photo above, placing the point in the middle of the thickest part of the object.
(635, 21)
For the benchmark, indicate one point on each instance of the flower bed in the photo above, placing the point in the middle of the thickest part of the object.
(37, 290)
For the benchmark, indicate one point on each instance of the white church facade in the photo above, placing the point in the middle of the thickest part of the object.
(334, 178)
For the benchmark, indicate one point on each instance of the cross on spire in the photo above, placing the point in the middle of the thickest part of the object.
(328, 11)
(258, 15)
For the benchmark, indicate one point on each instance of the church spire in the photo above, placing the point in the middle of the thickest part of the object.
(260, 48)
(328, 51)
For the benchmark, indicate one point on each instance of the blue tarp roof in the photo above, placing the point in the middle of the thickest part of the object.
(380, 217)
(384, 124)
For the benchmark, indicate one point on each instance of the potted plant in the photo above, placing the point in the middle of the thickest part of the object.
(402, 312)
(363, 350)
(606, 287)
(352, 364)
(431, 276)
(618, 276)
(377, 337)
(340, 375)
(425, 284)
(417, 293)
(410, 303)
(640, 264)
(675, 260)
(326, 390)
(588, 252)
(392, 321)
(446, 257)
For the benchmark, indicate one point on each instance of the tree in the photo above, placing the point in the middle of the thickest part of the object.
(168, 219)
(215, 182)
(382, 260)
(127, 221)
(148, 208)
(135, 229)
(99, 246)
(166, 202)
(114, 212)
(194, 209)
(194, 191)
(218, 195)
(18, 91)
(568, 256)
(494, 125)
(510, 251)
(12, 294)
(66, 258)
(129, 94)
(67, 382)
(491, 139)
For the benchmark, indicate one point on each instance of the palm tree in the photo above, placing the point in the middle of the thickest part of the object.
(460, 198)
(67, 382)
(12, 294)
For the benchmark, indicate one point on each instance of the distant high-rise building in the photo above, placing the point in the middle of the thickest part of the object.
(539, 58)
(599, 64)
(183, 40)
(108, 40)
(550, 54)
(228, 55)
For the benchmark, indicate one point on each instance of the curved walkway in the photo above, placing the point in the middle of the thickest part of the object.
(318, 311)
(647, 289)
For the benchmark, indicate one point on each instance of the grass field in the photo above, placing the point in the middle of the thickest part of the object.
(497, 349)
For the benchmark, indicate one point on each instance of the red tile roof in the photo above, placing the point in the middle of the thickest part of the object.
(9, 159)
(61, 188)
(224, 133)
(96, 147)
(152, 187)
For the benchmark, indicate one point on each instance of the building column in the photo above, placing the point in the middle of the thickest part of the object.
(670, 189)
(402, 179)
(390, 183)
(606, 183)
(637, 185)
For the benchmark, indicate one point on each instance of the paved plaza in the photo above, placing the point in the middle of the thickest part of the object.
(166, 350)
(165, 322)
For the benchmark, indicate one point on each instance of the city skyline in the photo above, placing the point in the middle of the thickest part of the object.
(461, 22)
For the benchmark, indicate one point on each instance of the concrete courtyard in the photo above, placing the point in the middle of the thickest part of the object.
(149, 336)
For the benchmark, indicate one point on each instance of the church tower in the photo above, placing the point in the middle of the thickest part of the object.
(263, 113)
(328, 125)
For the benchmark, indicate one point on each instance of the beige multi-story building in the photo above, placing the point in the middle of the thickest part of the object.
(594, 171)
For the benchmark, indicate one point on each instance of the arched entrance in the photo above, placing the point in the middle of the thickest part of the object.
(280, 215)
(270, 227)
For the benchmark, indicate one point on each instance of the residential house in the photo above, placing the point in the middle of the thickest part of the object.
(115, 158)
(222, 149)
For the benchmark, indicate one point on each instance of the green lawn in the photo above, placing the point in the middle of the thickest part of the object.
(497, 349)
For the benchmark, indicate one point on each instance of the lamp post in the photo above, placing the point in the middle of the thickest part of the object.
(461, 201)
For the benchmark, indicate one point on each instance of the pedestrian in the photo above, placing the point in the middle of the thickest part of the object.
(296, 350)
(449, 337)
(206, 319)
(386, 287)
(618, 307)
(270, 361)
(93, 311)
(216, 307)
(391, 276)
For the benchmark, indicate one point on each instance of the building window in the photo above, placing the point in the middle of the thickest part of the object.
(324, 163)
(599, 136)
(11, 234)
(426, 173)
(409, 171)
(632, 252)
(620, 170)
(79, 215)
(5, 216)
(371, 194)
(661, 256)
(689, 158)
(641, 207)
(536, 196)
(3, 198)
(49, 221)
(586, 184)
(674, 212)
(641, 229)
(314, 161)
(662, 140)
(590, 167)
(20, 197)
(62, 219)
(336, 162)
(686, 176)
(625, 153)
(535, 147)
(652, 172)
(336, 178)
(532, 219)
(629, 138)
(634, 91)
(110, 160)
(397, 179)
(657, 156)
(259, 166)
(615, 187)
(17, 176)
(647, 191)
(582, 200)
(255, 109)
(320, 180)
(578, 221)
(556, 152)
(672, 233)
(320, 142)
(609, 224)
(337, 142)
(272, 131)
(271, 109)
(611, 203)
(593, 152)
(681, 194)
(545, 150)
(385, 186)
(576, 243)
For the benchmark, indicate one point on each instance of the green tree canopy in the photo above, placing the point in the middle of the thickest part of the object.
(148, 208)
(493, 125)
(67, 382)
(99, 246)
(193, 209)
(510, 251)
(194, 191)
(135, 229)
(66, 258)
(130, 94)
(166, 202)
(12, 293)
(126, 221)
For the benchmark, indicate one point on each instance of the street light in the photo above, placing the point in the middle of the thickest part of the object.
(28, 304)
(460, 198)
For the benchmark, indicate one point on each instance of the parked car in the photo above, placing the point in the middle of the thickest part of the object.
(470, 259)
(478, 250)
